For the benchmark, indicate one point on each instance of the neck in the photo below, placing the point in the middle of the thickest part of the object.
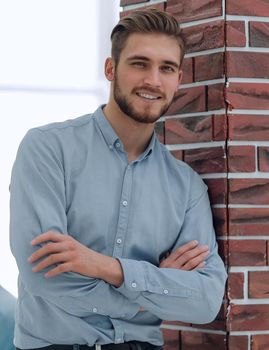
(135, 136)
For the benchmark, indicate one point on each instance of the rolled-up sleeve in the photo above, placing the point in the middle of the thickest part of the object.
(174, 294)
(38, 204)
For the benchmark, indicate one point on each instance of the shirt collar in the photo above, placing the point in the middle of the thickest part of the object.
(111, 137)
(108, 132)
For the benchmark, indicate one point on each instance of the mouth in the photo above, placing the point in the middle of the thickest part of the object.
(148, 96)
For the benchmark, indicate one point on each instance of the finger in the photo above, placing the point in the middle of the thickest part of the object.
(191, 254)
(51, 260)
(49, 248)
(48, 236)
(188, 262)
(201, 265)
(180, 251)
(193, 263)
(58, 270)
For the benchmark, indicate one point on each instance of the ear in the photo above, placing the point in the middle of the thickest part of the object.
(109, 69)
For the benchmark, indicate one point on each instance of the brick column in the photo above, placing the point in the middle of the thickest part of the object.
(219, 124)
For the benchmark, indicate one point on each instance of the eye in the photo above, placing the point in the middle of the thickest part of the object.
(168, 69)
(139, 64)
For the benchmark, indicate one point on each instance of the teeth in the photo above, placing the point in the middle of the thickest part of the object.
(150, 97)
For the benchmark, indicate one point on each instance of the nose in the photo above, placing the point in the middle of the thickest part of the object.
(152, 77)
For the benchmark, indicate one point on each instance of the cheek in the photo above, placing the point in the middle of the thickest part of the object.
(171, 86)
(172, 89)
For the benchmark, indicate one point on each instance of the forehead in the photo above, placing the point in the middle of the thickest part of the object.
(154, 46)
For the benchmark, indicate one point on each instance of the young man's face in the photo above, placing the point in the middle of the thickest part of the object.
(147, 76)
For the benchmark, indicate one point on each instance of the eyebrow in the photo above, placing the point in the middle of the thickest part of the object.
(144, 58)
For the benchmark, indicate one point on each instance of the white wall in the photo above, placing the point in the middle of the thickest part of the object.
(51, 59)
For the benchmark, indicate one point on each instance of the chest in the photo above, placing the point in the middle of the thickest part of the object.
(124, 210)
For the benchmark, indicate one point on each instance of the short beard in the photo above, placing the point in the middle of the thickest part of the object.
(127, 108)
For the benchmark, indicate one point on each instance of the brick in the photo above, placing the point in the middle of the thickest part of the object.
(241, 159)
(216, 98)
(248, 317)
(263, 159)
(193, 10)
(216, 325)
(195, 129)
(177, 154)
(259, 34)
(203, 341)
(206, 160)
(247, 64)
(187, 130)
(209, 67)
(217, 190)
(220, 221)
(131, 2)
(188, 101)
(238, 342)
(248, 221)
(219, 128)
(259, 341)
(236, 285)
(204, 36)
(223, 250)
(187, 69)
(245, 7)
(248, 96)
(249, 127)
(235, 34)
(171, 339)
(159, 129)
(258, 282)
(249, 191)
(160, 6)
(247, 253)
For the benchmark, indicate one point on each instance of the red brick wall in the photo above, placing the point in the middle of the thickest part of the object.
(219, 124)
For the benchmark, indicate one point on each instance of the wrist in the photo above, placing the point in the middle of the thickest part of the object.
(111, 271)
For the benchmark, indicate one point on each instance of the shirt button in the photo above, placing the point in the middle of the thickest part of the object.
(94, 309)
(125, 203)
(110, 146)
(165, 291)
(119, 241)
(134, 285)
(117, 144)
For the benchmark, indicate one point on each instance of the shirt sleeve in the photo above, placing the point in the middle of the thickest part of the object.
(173, 294)
(38, 204)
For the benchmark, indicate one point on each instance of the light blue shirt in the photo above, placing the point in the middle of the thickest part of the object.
(7, 319)
(74, 177)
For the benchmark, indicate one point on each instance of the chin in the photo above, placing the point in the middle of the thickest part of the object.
(145, 118)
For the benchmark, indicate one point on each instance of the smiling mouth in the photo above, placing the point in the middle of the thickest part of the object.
(148, 96)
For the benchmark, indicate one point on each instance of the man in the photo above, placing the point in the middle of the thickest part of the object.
(108, 219)
(7, 313)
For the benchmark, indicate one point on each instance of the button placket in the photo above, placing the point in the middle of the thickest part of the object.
(123, 212)
(119, 332)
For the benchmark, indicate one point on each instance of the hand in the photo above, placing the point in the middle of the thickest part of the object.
(190, 256)
(70, 255)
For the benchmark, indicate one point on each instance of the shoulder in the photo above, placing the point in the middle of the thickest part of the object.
(57, 132)
(51, 141)
(63, 126)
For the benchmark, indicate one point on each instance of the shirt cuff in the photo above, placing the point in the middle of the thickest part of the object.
(134, 278)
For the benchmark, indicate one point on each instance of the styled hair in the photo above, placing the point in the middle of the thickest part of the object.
(145, 21)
